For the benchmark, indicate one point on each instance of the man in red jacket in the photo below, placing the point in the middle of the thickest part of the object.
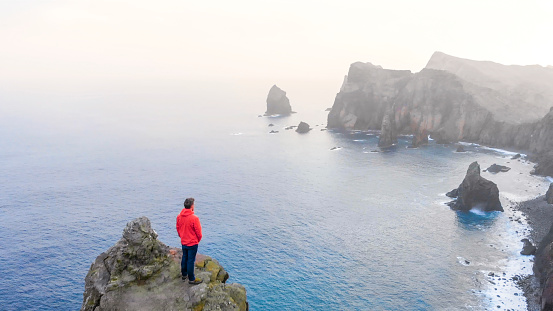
(190, 233)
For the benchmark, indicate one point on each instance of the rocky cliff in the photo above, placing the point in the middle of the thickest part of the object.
(444, 106)
(141, 273)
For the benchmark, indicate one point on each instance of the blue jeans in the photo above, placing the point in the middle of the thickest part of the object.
(187, 262)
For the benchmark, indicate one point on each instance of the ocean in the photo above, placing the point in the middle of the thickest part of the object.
(301, 226)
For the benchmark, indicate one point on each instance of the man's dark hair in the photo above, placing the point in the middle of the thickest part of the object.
(188, 203)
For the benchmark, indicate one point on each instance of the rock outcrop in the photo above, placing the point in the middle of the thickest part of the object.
(549, 194)
(543, 269)
(442, 105)
(303, 128)
(476, 192)
(141, 273)
(277, 102)
(528, 248)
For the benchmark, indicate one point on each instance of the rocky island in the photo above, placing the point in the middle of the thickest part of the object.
(141, 273)
(278, 102)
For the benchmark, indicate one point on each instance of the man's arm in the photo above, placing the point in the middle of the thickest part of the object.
(198, 229)
(178, 226)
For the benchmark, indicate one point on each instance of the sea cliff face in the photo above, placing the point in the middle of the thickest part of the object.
(444, 106)
(141, 273)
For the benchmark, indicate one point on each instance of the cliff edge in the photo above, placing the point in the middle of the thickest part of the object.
(141, 273)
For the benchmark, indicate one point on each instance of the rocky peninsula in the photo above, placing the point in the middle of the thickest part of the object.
(452, 100)
(141, 273)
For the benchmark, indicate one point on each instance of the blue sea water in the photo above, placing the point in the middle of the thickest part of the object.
(301, 226)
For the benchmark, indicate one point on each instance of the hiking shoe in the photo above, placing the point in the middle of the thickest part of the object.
(184, 278)
(195, 282)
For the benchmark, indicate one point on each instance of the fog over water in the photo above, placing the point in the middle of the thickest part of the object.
(110, 110)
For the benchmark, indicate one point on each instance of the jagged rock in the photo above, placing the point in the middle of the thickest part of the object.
(303, 127)
(544, 165)
(460, 148)
(273, 132)
(516, 156)
(549, 194)
(476, 191)
(277, 102)
(388, 136)
(141, 273)
(528, 248)
(271, 124)
(495, 168)
(328, 109)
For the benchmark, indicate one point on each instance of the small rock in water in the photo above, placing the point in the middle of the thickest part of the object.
(303, 128)
(495, 168)
(273, 132)
(516, 156)
(460, 148)
(271, 124)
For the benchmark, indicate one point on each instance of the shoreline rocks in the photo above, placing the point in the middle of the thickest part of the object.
(141, 273)
(549, 194)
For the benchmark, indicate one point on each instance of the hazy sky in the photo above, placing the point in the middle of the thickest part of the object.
(68, 40)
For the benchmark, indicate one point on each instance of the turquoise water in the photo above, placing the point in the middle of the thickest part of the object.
(303, 227)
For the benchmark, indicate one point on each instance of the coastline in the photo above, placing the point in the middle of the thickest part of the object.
(539, 217)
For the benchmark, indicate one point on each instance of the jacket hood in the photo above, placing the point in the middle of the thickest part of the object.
(186, 212)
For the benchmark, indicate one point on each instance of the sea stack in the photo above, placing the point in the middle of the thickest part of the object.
(303, 128)
(388, 135)
(476, 192)
(141, 273)
(277, 102)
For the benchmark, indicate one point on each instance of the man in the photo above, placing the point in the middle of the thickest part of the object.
(190, 233)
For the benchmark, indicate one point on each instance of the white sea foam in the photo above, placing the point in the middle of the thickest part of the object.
(477, 210)
(236, 134)
(468, 144)
(502, 151)
(503, 291)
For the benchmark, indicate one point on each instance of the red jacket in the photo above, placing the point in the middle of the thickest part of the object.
(189, 228)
